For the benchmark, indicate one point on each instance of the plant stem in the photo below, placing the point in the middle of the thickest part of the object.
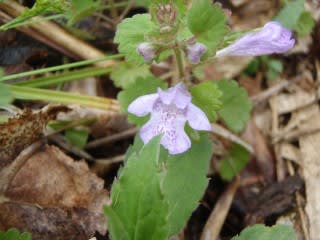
(60, 67)
(113, 10)
(64, 77)
(28, 93)
(116, 5)
(179, 61)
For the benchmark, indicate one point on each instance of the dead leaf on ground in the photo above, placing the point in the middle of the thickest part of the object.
(61, 194)
(20, 132)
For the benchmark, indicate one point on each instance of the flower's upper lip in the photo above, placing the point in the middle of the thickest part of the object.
(177, 95)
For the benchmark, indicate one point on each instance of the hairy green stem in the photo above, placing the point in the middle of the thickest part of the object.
(179, 61)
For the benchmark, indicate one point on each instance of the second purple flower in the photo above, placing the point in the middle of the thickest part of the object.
(272, 38)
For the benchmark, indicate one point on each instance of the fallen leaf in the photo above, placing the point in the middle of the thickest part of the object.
(20, 132)
(54, 197)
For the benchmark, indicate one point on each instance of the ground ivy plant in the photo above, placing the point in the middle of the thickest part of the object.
(164, 174)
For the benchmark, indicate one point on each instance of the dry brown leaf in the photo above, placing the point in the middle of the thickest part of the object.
(61, 198)
(264, 158)
(20, 132)
(285, 103)
(310, 153)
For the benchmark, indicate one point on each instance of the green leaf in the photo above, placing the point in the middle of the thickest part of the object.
(305, 24)
(142, 3)
(41, 7)
(236, 105)
(275, 68)
(207, 22)
(77, 137)
(14, 234)
(207, 97)
(234, 162)
(253, 67)
(186, 181)
(6, 95)
(142, 86)
(125, 74)
(261, 232)
(139, 210)
(130, 33)
(81, 9)
(290, 14)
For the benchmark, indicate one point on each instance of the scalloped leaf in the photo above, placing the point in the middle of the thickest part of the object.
(14, 234)
(261, 232)
(207, 22)
(185, 181)
(130, 33)
(236, 105)
(139, 209)
(124, 74)
(234, 162)
(289, 15)
(207, 97)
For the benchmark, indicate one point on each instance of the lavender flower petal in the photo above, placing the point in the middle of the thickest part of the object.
(143, 105)
(170, 109)
(147, 50)
(197, 119)
(272, 38)
(195, 52)
(177, 95)
(177, 143)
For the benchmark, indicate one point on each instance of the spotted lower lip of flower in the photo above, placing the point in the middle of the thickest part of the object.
(170, 110)
(195, 52)
(147, 51)
(272, 38)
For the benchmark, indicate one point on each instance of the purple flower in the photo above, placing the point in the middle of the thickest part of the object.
(170, 109)
(195, 52)
(272, 38)
(147, 51)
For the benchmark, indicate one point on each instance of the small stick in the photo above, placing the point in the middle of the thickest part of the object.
(221, 131)
(113, 138)
(110, 161)
(217, 218)
(59, 140)
(58, 36)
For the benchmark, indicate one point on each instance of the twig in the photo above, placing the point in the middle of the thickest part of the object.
(126, 10)
(109, 161)
(113, 138)
(221, 131)
(113, 10)
(7, 174)
(292, 135)
(264, 96)
(301, 213)
(60, 141)
(217, 218)
(50, 32)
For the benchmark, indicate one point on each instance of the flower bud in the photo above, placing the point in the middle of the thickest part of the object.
(147, 51)
(272, 38)
(195, 52)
